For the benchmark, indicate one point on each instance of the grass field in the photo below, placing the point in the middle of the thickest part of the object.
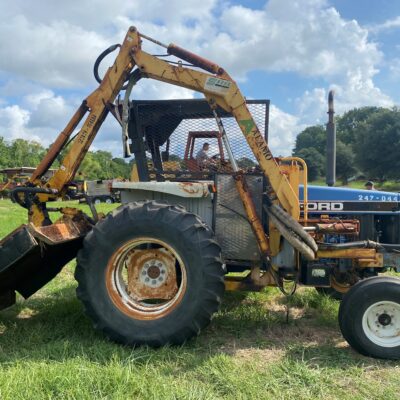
(48, 350)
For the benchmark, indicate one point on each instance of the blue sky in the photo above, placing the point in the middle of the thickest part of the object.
(290, 51)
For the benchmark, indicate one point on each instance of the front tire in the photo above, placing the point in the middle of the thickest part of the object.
(109, 200)
(369, 317)
(150, 273)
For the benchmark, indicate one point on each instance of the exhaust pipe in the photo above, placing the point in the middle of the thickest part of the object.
(330, 143)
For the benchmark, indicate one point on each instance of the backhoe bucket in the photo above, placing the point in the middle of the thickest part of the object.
(30, 257)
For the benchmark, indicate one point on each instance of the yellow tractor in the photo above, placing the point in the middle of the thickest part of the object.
(153, 271)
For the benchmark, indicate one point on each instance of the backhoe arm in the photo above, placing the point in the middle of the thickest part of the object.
(97, 105)
(221, 90)
(217, 86)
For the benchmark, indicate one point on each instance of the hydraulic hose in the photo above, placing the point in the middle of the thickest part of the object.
(134, 77)
(361, 244)
(288, 221)
(28, 190)
(100, 58)
(293, 238)
(292, 231)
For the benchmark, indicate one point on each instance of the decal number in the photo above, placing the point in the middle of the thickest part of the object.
(217, 85)
(377, 198)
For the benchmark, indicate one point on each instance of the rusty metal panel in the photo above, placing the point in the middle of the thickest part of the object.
(180, 189)
(232, 230)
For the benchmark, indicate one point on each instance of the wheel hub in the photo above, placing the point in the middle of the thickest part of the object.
(381, 323)
(151, 274)
(384, 319)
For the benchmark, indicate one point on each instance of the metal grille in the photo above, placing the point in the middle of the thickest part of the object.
(232, 229)
(167, 135)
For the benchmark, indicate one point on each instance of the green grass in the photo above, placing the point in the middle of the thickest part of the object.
(49, 350)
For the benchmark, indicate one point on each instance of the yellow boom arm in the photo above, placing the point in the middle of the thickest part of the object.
(217, 86)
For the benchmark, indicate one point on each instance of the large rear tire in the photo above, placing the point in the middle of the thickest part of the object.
(369, 317)
(150, 273)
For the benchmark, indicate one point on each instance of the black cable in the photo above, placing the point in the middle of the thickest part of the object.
(235, 212)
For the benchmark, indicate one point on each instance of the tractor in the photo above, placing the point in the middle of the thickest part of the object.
(153, 271)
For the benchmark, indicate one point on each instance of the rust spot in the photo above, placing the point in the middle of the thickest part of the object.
(146, 296)
(73, 224)
(145, 278)
(338, 227)
(193, 188)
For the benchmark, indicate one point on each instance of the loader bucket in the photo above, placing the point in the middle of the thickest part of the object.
(30, 257)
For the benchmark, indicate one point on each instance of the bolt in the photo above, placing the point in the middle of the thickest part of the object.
(144, 273)
(159, 264)
(160, 279)
(163, 271)
(147, 279)
(154, 282)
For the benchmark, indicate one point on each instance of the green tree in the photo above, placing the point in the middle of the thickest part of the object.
(348, 123)
(245, 162)
(315, 162)
(345, 165)
(4, 153)
(377, 146)
(312, 137)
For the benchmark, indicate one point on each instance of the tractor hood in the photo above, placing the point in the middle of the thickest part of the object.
(336, 200)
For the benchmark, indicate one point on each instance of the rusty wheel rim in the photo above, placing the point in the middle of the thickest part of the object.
(146, 278)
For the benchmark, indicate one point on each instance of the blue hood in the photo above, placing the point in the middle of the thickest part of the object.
(337, 201)
(325, 193)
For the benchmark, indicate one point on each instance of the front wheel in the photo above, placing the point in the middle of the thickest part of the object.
(369, 317)
(150, 273)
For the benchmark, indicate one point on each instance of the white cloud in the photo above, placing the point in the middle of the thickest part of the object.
(55, 55)
(394, 69)
(389, 24)
(13, 121)
(301, 36)
(47, 47)
(283, 129)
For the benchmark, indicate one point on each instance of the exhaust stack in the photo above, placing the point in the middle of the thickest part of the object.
(330, 143)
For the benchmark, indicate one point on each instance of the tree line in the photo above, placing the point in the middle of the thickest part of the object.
(98, 164)
(368, 145)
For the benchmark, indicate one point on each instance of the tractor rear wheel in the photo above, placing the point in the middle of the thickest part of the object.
(150, 273)
(369, 317)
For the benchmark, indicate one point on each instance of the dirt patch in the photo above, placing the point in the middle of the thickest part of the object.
(26, 313)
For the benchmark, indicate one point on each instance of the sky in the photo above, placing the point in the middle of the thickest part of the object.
(289, 51)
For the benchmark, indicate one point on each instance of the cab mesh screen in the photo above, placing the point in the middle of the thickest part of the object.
(167, 135)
